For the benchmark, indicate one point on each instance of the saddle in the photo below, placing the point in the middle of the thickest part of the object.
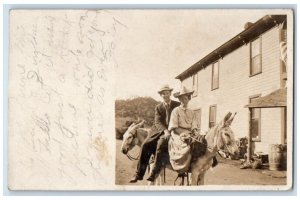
(198, 147)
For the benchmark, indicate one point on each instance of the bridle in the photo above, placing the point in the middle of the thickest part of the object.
(225, 145)
(127, 154)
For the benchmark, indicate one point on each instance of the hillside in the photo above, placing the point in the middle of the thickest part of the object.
(137, 108)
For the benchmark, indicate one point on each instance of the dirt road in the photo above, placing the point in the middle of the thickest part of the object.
(226, 173)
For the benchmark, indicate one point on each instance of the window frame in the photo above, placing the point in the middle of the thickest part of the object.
(212, 75)
(209, 114)
(258, 138)
(198, 120)
(283, 66)
(195, 85)
(260, 51)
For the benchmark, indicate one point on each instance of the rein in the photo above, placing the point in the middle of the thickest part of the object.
(215, 143)
(200, 142)
(132, 158)
(206, 147)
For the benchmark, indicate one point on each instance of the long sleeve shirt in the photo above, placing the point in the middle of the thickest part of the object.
(184, 118)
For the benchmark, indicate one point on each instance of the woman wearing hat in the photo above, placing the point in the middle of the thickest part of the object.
(182, 124)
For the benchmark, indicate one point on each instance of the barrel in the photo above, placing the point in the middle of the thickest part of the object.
(277, 157)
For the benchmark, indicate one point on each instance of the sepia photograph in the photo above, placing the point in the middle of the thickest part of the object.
(204, 99)
(150, 99)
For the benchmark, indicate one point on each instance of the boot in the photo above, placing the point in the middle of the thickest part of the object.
(135, 178)
(152, 177)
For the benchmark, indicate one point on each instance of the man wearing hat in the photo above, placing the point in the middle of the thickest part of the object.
(157, 142)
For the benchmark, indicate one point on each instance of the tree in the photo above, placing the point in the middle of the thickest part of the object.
(139, 107)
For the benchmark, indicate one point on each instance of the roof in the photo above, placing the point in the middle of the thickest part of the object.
(275, 99)
(262, 25)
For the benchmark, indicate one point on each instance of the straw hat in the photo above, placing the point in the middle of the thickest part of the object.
(165, 88)
(183, 91)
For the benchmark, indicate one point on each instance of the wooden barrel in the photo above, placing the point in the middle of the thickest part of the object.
(276, 157)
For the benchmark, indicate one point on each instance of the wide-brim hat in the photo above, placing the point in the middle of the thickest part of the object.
(165, 88)
(183, 91)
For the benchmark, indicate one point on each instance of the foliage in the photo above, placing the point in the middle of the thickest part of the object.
(136, 108)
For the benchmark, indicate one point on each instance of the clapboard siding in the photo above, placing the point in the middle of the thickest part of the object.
(271, 129)
(236, 86)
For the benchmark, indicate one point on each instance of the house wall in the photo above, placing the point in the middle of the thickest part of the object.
(236, 86)
(271, 129)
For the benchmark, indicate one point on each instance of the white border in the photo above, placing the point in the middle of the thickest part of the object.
(155, 2)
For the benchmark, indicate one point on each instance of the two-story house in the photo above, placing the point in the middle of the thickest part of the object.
(240, 71)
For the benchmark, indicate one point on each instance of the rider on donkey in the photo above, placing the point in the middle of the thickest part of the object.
(183, 125)
(157, 143)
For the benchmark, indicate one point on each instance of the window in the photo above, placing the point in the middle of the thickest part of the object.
(198, 117)
(195, 84)
(255, 120)
(283, 55)
(212, 116)
(215, 76)
(255, 55)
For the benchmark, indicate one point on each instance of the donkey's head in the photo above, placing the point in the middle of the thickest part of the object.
(226, 140)
(130, 137)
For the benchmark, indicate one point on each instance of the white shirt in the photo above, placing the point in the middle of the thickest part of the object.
(183, 118)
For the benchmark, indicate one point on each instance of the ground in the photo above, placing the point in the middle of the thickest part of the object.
(226, 173)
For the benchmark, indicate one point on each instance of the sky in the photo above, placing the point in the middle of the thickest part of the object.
(158, 45)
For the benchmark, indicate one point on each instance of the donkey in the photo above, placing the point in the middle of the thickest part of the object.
(220, 137)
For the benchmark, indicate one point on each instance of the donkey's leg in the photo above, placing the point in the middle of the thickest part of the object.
(196, 170)
(195, 176)
(151, 165)
(161, 176)
(189, 178)
(201, 178)
(158, 179)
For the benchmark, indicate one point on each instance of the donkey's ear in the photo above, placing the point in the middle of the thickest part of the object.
(227, 116)
(132, 124)
(229, 121)
(141, 124)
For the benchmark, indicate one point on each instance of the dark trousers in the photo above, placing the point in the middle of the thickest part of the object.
(161, 156)
(154, 145)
